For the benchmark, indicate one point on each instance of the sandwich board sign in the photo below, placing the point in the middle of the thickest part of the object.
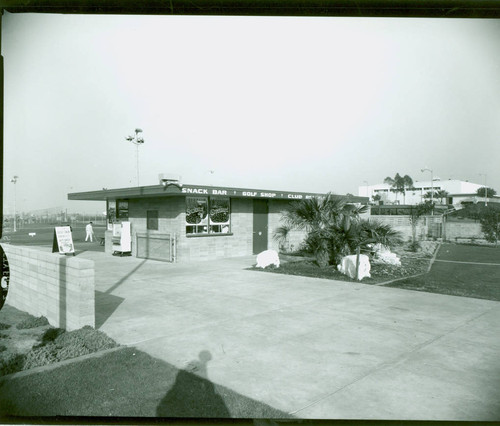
(63, 240)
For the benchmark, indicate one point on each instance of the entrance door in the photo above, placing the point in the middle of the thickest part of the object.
(260, 211)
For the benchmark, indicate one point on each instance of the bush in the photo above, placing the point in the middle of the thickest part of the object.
(40, 356)
(51, 334)
(12, 363)
(414, 246)
(32, 322)
(3, 348)
(4, 326)
(4, 336)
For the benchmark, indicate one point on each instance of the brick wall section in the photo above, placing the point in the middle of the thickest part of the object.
(461, 230)
(60, 288)
(172, 213)
(238, 243)
(172, 216)
(426, 226)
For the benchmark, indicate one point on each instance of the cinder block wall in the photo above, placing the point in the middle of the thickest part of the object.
(237, 243)
(60, 288)
(458, 230)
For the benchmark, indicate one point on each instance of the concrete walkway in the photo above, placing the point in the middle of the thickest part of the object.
(310, 347)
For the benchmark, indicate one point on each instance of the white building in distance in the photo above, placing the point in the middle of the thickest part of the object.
(458, 191)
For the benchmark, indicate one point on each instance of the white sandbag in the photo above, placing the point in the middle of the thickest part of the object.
(348, 266)
(268, 257)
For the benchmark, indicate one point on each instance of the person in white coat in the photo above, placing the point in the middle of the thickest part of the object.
(90, 231)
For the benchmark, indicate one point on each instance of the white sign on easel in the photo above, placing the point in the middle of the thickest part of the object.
(63, 240)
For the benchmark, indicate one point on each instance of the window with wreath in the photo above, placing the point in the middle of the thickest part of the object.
(206, 215)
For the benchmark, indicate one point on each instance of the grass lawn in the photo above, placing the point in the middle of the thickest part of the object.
(45, 234)
(481, 281)
(125, 382)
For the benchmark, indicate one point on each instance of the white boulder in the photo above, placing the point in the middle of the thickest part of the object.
(348, 266)
(268, 257)
(382, 254)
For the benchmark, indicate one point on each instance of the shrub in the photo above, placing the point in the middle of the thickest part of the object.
(414, 246)
(3, 348)
(11, 364)
(72, 351)
(32, 322)
(51, 334)
(4, 326)
(40, 356)
(4, 336)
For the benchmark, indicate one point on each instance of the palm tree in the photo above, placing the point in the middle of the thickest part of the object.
(330, 225)
(441, 194)
(399, 184)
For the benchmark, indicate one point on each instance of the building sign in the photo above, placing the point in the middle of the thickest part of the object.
(231, 192)
(63, 240)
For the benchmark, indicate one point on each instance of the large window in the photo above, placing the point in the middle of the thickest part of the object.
(122, 209)
(206, 215)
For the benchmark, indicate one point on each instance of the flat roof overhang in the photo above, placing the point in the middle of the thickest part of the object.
(155, 191)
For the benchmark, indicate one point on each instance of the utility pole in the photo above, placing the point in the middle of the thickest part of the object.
(137, 141)
(14, 181)
(432, 187)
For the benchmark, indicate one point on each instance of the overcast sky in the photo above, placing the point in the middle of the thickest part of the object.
(305, 104)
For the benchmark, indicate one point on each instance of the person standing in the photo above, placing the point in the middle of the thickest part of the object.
(90, 231)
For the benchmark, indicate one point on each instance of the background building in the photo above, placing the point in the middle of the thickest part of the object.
(457, 191)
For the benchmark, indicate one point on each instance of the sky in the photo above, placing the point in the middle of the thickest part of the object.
(298, 104)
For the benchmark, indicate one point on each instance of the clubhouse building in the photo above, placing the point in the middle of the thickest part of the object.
(175, 222)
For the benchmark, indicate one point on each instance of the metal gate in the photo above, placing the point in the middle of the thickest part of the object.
(156, 246)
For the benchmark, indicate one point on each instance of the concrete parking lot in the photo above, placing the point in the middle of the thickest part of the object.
(310, 347)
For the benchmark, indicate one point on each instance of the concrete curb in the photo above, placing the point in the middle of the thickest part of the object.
(55, 365)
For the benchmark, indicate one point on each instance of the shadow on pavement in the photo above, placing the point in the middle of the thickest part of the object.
(105, 305)
(126, 383)
(192, 394)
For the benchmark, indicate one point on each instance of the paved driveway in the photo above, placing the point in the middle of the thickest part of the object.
(310, 347)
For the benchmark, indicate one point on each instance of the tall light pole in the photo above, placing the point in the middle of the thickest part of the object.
(14, 181)
(137, 141)
(485, 188)
(426, 169)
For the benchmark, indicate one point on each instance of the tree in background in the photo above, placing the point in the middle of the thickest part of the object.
(400, 184)
(441, 194)
(490, 224)
(486, 192)
(438, 195)
(416, 213)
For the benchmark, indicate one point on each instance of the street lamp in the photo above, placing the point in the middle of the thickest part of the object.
(14, 180)
(137, 141)
(426, 169)
(485, 189)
